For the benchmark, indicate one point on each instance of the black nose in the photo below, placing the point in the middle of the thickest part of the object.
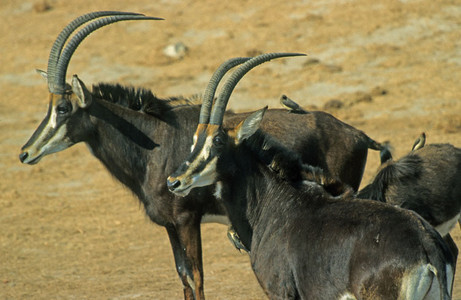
(23, 156)
(173, 184)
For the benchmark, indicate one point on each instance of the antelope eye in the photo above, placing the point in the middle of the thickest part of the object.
(217, 141)
(63, 108)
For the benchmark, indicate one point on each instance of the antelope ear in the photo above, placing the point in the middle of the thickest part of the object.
(42, 73)
(82, 93)
(250, 125)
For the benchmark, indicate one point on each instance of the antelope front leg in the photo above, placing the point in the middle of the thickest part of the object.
(190, 238)
(180, 261)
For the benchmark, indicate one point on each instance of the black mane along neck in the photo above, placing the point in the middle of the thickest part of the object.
(282, 161)
(140, 99)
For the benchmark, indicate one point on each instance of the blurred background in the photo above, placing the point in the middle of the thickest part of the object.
(69, 230)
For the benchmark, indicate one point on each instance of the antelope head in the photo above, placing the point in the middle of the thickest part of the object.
(211, 142)
(60, 128)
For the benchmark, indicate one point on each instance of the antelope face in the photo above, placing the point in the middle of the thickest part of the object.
(200, 168)
(212, 154)
(56, 131)
(211, 144)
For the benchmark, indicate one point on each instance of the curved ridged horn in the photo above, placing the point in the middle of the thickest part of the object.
(210, 90)
(58, 44)
(60, 81)
(219, 108)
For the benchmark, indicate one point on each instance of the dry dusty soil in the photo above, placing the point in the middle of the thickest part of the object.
(68, 230)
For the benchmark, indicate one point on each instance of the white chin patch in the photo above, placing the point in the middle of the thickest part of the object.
(33, 161)
(183, 193)
(56, 143)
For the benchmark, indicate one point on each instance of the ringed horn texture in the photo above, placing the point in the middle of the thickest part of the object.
(58, 62)
(210, 91)
(217, 113)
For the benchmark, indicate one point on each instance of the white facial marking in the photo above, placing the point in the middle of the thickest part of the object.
(191, 178)
(193, 143)
(207, 176)
(58, 142)
(205, 153)
(53, 119)
(202, 156)
(40, 148)
(204, 178)
(184, 192)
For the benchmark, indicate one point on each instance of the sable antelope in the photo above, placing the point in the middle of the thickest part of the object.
(320, 139)
(141, 139)
(306, 244)
(426, 180)
(289, 168)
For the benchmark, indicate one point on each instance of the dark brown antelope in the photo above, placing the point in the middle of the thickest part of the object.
(426, 180)
(141, 139)
(321, 140)
(306, 244)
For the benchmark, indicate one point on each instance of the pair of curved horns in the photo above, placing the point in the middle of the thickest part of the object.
(217, 111)
(58, 63)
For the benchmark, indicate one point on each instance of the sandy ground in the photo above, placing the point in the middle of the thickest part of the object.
(70, 231)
